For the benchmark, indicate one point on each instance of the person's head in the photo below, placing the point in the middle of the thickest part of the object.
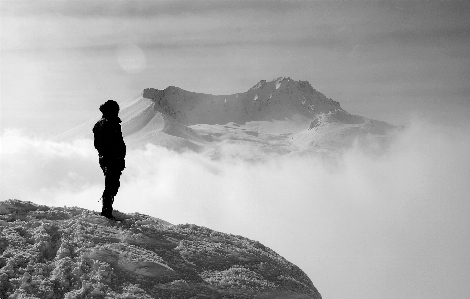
(110, 108)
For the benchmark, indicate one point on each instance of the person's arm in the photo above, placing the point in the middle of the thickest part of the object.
(122, 144)
(98, 138)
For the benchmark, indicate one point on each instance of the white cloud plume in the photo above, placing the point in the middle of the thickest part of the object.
(367, 227)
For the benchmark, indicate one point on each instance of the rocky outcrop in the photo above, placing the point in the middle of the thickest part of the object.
(52, 252)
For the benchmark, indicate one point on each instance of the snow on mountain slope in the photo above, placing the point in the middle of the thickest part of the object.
(281, 116)
(339, 129)
(137, 116)
(266, 101)
(142, 124)
(70, 252)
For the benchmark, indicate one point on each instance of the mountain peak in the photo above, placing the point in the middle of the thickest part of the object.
(70, 252)
(260, 84)
(278, 99)
(294, 114)
(276, 82)
(284, 82)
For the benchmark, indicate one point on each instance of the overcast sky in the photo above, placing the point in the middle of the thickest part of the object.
(394, 226)
(388, 60)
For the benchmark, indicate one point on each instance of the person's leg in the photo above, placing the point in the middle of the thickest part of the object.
(111, 188)
(105, 195)
(112, 181)
(107, 206)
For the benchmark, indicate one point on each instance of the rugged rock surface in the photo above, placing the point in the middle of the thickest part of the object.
(69, 252)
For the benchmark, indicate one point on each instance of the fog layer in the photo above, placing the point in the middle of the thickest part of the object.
(364, 226)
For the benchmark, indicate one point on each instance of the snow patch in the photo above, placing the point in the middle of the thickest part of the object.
(260, 84)
(279, 80)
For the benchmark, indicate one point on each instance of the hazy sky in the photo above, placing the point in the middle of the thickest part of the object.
(394, 226)
(388, 60)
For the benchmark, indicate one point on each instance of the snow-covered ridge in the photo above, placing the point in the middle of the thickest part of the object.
(70, 252)
(278, 116)
(277, 99)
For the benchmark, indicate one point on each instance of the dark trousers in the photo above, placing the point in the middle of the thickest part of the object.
(112, 174)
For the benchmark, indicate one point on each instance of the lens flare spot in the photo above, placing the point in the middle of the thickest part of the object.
(131, 58)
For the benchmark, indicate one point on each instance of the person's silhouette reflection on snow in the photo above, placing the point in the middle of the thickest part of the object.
(111, 151)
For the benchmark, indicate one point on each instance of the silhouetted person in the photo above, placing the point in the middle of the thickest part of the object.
(112, 151)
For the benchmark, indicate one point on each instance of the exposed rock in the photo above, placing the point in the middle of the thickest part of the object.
(284, 113)
(69, 252)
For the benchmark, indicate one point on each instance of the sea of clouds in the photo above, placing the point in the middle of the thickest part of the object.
(395, 225)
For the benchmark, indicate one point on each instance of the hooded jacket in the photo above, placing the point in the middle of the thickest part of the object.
(108, 140)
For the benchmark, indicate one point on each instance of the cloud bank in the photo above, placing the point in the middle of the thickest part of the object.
(365, 227)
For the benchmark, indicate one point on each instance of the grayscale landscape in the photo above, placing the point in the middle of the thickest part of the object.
(275, 149)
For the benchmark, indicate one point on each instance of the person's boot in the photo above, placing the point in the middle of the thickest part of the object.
(108, 214)
(104, 212)
(107, 210)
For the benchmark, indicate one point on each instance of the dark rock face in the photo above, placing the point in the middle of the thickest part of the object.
(49, 252)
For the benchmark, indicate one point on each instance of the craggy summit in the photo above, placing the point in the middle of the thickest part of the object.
(69, 252)
(277, 117)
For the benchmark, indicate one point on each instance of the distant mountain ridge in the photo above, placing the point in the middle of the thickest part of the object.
(282, 116)
(266, 101)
